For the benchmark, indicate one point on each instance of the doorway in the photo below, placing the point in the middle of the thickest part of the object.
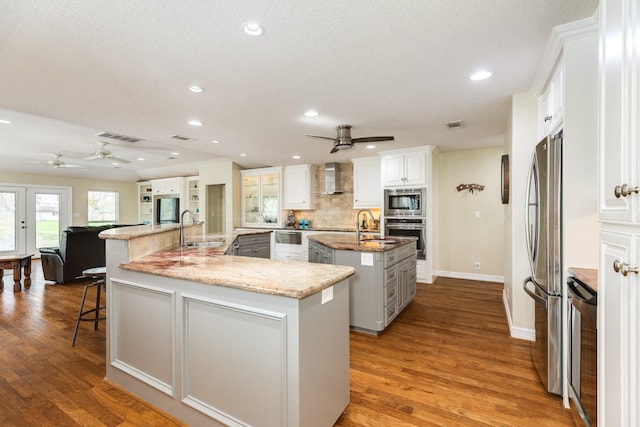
(215, 211)
(32, 218)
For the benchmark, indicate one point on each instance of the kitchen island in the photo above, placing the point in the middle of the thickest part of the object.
(226, 340)
(385, 279)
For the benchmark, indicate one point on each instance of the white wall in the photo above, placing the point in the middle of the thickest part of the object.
(225, 172)
(520, 139)
(464, 239)
(127, 193)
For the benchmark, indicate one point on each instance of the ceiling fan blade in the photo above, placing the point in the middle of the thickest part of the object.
(321, 137)
(66, 165)
(334, 150)
(373, 139)
(93, 157)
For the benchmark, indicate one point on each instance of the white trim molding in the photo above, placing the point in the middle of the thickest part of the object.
(471, 276)
(517, 332)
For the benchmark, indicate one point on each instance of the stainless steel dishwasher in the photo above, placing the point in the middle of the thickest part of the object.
(583, 350)
(288, 245)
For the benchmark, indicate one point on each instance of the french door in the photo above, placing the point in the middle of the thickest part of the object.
(32, 218)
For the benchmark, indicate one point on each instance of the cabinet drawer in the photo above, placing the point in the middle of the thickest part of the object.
(390, 312)
(390, 294)
(254, 239)
(390, 274)
(390, 258)
(406, 251)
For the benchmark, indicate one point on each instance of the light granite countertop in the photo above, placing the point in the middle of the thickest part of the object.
(291, 279)
(348, 242)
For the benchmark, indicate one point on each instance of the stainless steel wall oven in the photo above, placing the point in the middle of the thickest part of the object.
(409, 227)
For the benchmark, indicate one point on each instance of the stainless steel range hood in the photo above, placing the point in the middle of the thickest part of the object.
(332, 178)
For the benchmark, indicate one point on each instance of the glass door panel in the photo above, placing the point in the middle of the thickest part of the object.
(251, 199)
(270, 192)
(47, 219)
(9, 232)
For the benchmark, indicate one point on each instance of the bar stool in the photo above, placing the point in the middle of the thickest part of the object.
(99, 274)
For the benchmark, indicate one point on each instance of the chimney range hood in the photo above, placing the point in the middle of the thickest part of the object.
(332, 178)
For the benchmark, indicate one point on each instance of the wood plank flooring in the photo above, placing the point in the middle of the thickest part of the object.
(447, 360)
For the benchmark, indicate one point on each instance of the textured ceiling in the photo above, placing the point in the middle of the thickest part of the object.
(72, 69)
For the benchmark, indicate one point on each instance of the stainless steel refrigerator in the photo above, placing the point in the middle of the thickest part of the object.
(544, 227)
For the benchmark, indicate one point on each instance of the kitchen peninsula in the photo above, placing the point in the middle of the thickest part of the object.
(226, 340)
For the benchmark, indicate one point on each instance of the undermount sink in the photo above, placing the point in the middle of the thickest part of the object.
(378, 239)
(210, 244)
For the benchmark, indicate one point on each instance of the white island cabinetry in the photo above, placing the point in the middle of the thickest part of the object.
(218, 340)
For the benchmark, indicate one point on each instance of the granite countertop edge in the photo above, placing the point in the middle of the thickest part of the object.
(348, 243)
(210, 266)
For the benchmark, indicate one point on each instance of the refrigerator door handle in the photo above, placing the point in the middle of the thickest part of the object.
(532, 294)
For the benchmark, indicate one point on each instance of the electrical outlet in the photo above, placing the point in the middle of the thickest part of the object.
(477, 265)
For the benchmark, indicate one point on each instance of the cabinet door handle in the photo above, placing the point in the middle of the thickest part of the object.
(624, 190)
(548, 118)
(624, 269)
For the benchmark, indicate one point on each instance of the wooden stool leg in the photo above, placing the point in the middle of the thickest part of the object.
(75, 330)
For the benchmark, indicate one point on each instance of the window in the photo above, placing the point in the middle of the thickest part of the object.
(102, 207)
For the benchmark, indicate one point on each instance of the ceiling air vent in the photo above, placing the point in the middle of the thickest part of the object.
(457, 124)
(180, 137)
(119, 137)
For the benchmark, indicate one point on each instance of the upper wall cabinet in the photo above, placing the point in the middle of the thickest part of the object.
(168, 186)
(403, 169)
(298, 180)
(261, 201)
(551, 103)
(367, 189)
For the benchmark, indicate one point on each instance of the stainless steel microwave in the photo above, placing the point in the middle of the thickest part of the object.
(405, 202)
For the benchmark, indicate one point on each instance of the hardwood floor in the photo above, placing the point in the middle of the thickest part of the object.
(447, 360)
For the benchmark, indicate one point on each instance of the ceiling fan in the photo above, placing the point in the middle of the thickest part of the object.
(344, 141)
(102, 153)
(56, 163)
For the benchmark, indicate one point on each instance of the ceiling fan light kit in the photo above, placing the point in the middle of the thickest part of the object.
(343, 141)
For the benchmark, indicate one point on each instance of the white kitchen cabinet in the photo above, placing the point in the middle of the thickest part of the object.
(367, 189)
(168, 186)
(552, 103)
(403, 169)
(261, 197)
(619, 293)
(298, 181)
(145, 204)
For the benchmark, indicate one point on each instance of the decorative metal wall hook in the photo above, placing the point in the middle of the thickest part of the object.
(470, 187)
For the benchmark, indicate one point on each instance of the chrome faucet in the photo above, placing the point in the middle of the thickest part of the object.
(193, 220)
(358, 222)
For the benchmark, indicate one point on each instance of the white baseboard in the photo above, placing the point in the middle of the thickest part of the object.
(470, 276)
(517, 332)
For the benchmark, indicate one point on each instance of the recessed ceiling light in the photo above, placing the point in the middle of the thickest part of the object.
(175, 154)
(253, 28)
(215, 141)
(481, 75)
(195, 89)
(295, 156)
(243, 155)
(115, 164)
(6, 122)
(311, 113)
(141, 158)
(371, 146)
(195, 122)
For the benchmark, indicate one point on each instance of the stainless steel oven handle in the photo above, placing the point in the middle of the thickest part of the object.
(533, 295)
(403, 227)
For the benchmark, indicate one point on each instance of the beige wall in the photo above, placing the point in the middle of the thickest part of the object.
(464, 239)
(127, 193)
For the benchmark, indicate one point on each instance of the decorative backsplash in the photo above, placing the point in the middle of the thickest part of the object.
(333, 210)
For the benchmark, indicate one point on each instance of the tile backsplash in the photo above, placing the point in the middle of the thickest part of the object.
(332, 210)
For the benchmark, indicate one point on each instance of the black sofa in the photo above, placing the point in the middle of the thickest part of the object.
(80, 248)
